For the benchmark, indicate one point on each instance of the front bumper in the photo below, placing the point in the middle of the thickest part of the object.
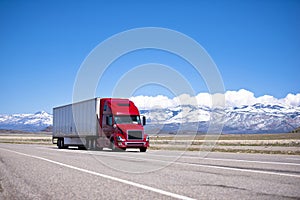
(132, 144)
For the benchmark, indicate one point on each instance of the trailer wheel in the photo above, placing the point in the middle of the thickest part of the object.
(60, 143)
(143, 149)
(87, 143)
(82, 147)
(93, 144)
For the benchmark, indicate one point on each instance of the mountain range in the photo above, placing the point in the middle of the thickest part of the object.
(256, 118)
(26, 122)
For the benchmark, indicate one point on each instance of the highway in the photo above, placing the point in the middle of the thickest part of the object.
(45, 172)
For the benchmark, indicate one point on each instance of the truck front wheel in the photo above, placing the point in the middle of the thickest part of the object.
(143, 149)
(114, 148)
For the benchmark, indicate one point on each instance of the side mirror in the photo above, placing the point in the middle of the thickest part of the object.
(144, 120)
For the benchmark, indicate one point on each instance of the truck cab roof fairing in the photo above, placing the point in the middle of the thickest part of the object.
(122, 107)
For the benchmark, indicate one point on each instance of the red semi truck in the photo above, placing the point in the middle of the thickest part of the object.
(100, 123)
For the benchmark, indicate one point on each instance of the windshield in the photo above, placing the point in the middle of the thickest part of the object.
(127, 119)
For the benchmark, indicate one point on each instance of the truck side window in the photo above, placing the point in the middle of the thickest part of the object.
(109, 120)
(105, 107)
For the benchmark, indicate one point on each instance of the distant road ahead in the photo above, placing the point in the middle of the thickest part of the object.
(45, 172)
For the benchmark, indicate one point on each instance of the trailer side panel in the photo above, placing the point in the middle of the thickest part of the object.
(76, 120)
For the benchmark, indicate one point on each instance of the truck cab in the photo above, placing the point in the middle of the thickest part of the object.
(121, 124)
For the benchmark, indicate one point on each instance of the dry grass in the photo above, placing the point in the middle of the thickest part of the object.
(26, 138)
(229, 150)
(277, 136)
(238, 143)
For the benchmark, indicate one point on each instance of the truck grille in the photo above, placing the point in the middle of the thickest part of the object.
(135, 144)
(135, 135)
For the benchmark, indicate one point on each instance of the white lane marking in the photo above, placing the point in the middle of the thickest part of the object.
(293, 159)
(233, 160)
(138, 185)
(199, 158)
(189, 164)
(246, 170)
(205, 166)
(254, 161)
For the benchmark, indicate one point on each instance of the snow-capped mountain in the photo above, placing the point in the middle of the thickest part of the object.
(26, 122)
(257, 118)
(262, 118)
(232, 112)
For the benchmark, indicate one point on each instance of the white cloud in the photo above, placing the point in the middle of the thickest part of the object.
(232, 98)
(267, 99)
(185, 99)
(291, 99)
(204, 99)
(239, 98)
(148, 102)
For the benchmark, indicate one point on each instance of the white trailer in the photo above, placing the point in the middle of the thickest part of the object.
(76, 124)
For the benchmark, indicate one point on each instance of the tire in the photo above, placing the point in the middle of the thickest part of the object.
(113, 147)
(82, 148)
(60, 143)
(93, 144)
(116, 149)
(99, 148)
(123, 149)
(87, 143)
(143, 149)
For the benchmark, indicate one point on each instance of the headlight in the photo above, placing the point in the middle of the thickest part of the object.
(119, 138)
(147, 138)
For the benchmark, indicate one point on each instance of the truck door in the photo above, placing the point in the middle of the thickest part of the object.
(107, 125)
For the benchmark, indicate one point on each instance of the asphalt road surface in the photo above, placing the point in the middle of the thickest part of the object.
(45, 172)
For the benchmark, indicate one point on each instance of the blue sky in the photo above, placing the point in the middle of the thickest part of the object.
(255, 45)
